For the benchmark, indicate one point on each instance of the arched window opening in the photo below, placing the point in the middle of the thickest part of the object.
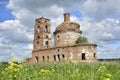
(48, 58)
(38, 45)
(63, 56)
(58, 50)
(58, 57)
(43, 57)
(38, 37)
(54, 57)
(58, 37)
(47, 44)
(46, 36)
(38, 29)
(38, 21)
(83, 56)
(46, 28)
(36, 59)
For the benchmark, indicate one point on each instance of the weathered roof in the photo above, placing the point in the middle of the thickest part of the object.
(68, 25)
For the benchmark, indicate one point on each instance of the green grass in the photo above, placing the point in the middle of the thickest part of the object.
(61, 71)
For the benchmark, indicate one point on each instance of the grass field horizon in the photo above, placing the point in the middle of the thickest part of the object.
(61, 71)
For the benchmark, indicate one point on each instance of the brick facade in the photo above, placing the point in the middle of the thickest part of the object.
(64, 47)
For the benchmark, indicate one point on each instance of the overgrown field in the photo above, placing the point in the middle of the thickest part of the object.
(61, 71)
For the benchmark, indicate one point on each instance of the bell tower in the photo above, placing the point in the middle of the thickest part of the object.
(42, 34)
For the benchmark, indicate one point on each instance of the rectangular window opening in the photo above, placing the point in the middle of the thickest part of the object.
(83, 56)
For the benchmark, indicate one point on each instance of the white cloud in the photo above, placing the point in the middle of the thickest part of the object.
(15, 32)
(29, 47)
(12, 34)
(100, 32)
(101, 9)
(39, 4)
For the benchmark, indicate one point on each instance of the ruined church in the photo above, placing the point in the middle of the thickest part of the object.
(64, 47)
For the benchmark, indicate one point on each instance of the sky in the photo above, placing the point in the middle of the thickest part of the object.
(99, 20)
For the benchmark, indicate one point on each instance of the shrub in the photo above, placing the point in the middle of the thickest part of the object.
(81, 40)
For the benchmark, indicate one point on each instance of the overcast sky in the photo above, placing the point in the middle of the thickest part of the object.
(99, 21)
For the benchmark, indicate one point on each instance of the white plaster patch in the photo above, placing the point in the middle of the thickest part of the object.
(83, 50)
(71, 56)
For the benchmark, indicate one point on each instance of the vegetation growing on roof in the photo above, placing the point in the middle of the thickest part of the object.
(67, 23)
(81, 40)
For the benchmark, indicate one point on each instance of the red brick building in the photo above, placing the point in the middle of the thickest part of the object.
(64, 47)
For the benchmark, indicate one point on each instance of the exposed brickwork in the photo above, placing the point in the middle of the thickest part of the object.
(66, 53)
(66, 38)
(66, 17)
(68, 26)
(64, 48)
(42, 33)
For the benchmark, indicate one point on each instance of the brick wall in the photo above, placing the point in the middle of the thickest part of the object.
(80, 53)
(66, 38)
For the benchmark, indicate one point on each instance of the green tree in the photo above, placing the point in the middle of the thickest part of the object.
(81, 40)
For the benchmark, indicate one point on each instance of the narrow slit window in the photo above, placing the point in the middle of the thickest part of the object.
(94, 55)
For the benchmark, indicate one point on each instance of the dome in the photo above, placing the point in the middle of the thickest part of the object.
(68, 26)
(67, 32)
